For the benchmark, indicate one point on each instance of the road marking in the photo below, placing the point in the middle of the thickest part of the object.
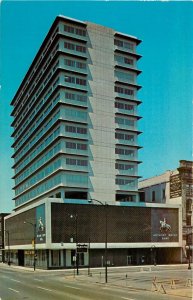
(13, 290)
(39, 287)
(72, 287)
(15, 280)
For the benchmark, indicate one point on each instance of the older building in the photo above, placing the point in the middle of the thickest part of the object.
(173, 187)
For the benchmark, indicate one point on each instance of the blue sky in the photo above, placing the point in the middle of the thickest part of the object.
(166, 29)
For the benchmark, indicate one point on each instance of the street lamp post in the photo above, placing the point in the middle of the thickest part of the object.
(34, 240)
(189, 265)
(188, 244)
(106, 230)
(153, 250)
(89, 257)
(8, 241)
(76, 240)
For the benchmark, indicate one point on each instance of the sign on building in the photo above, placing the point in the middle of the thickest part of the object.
(175, 186)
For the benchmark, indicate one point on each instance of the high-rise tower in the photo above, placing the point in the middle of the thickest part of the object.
(75, 117)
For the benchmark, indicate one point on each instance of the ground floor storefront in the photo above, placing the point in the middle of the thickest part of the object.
(68, 258)
(54, 234)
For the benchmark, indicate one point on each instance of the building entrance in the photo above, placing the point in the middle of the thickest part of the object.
(21, 258)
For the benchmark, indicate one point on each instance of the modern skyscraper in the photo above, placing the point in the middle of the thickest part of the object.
(75, 117)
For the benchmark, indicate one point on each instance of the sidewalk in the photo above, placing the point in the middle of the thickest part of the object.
(182, 288)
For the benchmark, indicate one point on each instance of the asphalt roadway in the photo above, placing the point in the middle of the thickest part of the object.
(173, 282)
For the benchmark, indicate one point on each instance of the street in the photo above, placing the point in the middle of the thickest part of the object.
(123, 283)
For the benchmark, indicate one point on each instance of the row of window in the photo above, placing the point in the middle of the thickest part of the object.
(80, 180)
(78, 146)
(123, 151)
(47, 156)
(121, 181)
(75, 80)
(125, 91)
(36, 123)
(74, 63)
(36, 151)
(74, 114)
(125, 76)
(40, 133)
(74, 129)
(124, 136)
(33, 99)
(76, 97)
(125, 60)
(124, 121)
(125, 106)
(124, 44)
(74, 47)
(75, 30)
(39, 176)
(39, 75)
(76, 162)
(122, 166)
(40, 189)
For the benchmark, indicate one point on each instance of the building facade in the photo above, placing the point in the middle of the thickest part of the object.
(173, 187)
(3, 232)
(75, 117)
(134, 234)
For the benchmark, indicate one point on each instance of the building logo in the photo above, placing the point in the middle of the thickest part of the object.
(40, 225)
(164, 227)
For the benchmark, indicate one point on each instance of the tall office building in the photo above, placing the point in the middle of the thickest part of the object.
(75, 117)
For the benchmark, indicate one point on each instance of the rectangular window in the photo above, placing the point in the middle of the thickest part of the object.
(118, 43)
(69, 79)
(81, 130)
(81, 146)
(123, 136)
(70, 161)
(70, 145)
(80, 32)
(80, 81)
(119, 166)
(121, 181)
(128, 92)
(69, 46)
(124, 44)
(121, 90)
(76, 129)
(82, 98)
(80, 48)
(80, 65)
(128, 61)
(69, 62)
(78, 146)
(70, 128)
(68, 28)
